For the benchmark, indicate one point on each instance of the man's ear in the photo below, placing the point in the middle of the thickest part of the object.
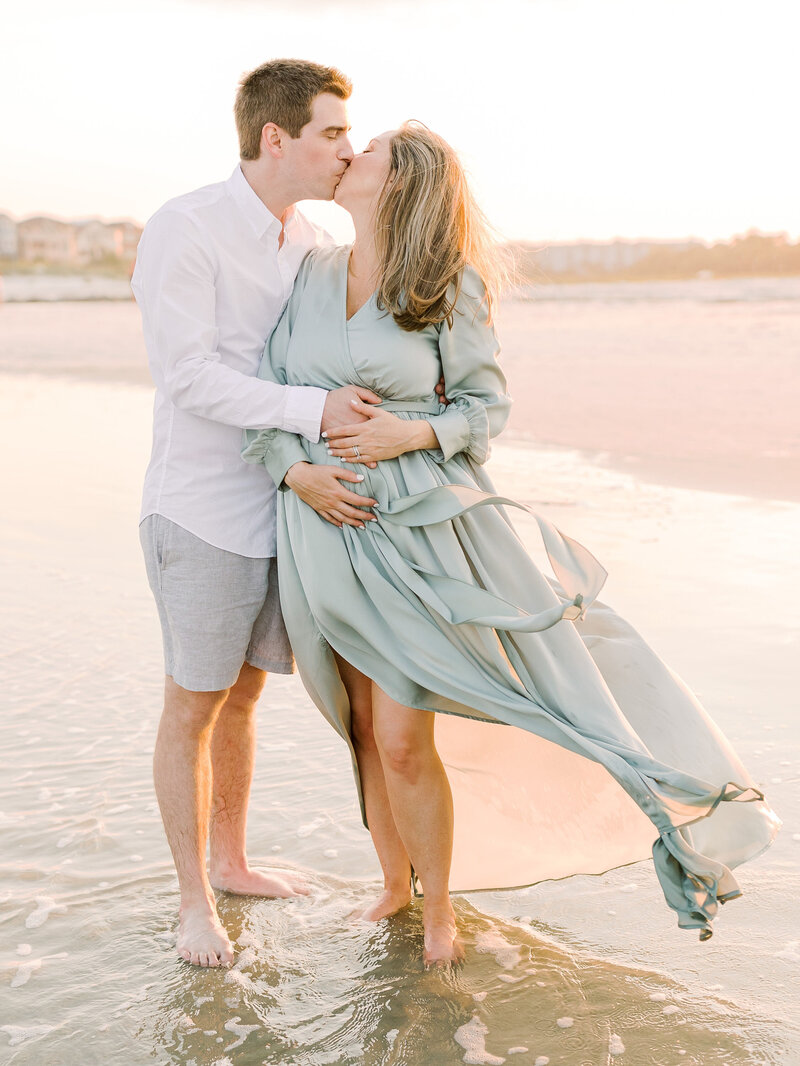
(272, 140)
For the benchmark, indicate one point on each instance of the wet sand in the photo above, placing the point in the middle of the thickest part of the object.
(681, 391)
(693, 384)
(87, 893)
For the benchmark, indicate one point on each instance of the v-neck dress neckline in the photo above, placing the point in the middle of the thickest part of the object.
(369, 300)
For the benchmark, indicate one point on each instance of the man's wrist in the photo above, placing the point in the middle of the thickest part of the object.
(293, 471)
(424, 437)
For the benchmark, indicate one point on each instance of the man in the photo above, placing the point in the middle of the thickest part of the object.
(214, 270)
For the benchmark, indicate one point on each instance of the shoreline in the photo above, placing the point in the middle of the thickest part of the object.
(700, 474)
(692, 385)
(695, 475)
(79, 287)
(63, 288)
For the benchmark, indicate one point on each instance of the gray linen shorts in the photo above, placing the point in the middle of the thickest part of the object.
(218, 610)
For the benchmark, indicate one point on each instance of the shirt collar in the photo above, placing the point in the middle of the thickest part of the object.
(254, 209)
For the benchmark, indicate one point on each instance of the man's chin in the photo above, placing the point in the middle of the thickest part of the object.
(329, 194)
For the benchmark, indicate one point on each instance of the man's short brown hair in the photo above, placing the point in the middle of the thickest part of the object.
(282, 91)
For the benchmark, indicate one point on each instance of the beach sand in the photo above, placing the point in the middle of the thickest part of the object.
(88, 895)
(680, 391)
(692, 384)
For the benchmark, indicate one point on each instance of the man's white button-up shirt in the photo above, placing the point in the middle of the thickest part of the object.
(211, 282)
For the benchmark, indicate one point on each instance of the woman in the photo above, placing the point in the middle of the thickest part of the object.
(552, 718)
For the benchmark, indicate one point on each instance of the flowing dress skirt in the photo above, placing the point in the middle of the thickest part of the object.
(569, 746)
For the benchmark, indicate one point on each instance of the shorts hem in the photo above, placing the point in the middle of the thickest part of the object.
(271, 666)
(203, 686)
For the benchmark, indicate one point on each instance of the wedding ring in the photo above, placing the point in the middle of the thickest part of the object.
(356, 452)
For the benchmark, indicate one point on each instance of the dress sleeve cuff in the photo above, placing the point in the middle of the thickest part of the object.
(462, 427)
(303, 411)
(276, 450)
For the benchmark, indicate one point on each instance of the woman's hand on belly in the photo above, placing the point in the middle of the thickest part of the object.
(321, 488)
(380, 435)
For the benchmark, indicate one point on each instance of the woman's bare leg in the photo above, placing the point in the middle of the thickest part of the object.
(391, 853)
(422, 805)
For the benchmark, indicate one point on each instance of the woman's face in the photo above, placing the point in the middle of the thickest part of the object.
(362, 182)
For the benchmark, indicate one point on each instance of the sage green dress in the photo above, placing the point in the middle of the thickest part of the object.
(568, 744)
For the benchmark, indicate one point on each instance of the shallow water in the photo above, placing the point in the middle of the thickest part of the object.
(87, 892)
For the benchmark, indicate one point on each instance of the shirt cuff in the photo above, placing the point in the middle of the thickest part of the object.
(303, 411)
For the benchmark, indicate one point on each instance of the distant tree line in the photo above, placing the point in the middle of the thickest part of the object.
(752, 255)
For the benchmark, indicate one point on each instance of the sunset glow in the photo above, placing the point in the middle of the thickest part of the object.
(575, 118)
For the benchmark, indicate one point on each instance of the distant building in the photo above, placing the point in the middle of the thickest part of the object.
(591, 257)
(94, 240)
(47, 240)
(126, 236)
(8, 238)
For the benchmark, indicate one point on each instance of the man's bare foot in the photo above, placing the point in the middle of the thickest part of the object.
(245, 881)
(389, 902)
(442, 944)
(201, 939)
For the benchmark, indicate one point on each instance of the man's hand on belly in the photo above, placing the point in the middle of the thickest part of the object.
(339, 406)
(321, 488)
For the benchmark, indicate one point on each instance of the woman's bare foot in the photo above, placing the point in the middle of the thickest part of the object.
(389, 902)
(442, 944)
(245, 881)
(202, 941)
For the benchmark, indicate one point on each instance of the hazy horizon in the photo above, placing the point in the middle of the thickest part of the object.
(308, 207)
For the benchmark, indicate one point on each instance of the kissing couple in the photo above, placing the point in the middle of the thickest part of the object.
(505, 727)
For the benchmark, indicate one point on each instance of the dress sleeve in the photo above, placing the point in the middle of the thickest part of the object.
(474, 383)
(278, 449)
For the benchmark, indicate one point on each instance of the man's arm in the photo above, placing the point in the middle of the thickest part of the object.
(174, 285)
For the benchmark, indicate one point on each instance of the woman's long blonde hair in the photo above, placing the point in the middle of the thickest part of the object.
(428, 228)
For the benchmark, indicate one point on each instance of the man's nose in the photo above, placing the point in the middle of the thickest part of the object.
(346, 152)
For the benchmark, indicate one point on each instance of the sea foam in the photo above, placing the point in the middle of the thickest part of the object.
(472, 1037)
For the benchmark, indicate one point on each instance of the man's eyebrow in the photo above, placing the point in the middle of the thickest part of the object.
(337, 129)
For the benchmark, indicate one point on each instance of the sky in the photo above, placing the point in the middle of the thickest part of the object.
(576, 119)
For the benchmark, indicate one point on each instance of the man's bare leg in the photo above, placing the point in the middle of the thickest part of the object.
(182, 775)
(391, 853)
(232, 760)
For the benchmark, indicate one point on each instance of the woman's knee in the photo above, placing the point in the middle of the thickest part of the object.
(405, 753)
